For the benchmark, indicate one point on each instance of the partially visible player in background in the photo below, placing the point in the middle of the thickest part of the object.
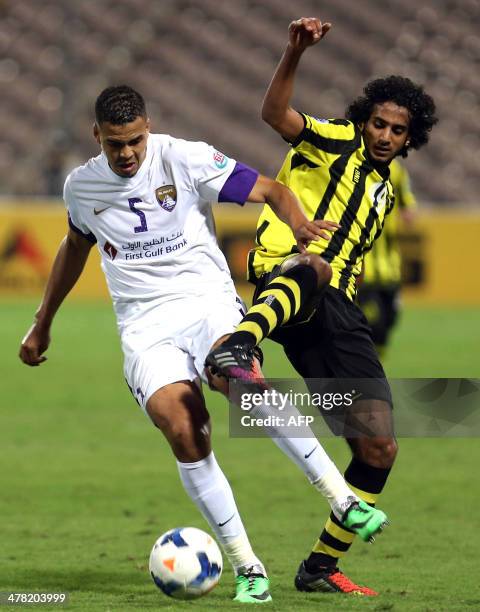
(379, 288)
(145, 201)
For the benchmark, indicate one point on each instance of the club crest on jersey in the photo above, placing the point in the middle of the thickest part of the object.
(378, 195)
(220, 160)
(166, 197)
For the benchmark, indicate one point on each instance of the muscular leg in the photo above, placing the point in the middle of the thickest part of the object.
(366, 475)
(231, 361)
(306, 452)
(379, 448)
(300, 278)
(179, 411)
(373, 452)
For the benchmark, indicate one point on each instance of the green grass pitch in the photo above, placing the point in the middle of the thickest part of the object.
(87, 484)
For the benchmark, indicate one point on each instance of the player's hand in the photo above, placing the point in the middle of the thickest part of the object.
(306, 31)
(34, 344)
(313, 230)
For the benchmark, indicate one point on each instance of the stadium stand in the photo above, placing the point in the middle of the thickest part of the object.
(204, 66)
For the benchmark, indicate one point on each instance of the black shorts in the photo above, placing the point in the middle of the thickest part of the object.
(335, 342)
(381, 307)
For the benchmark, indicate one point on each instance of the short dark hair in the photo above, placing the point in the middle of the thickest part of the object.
(118, 105)
(403, 92)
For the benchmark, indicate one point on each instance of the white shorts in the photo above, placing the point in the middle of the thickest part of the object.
(171, 341)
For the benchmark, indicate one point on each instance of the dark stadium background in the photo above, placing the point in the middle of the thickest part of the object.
(203, 67)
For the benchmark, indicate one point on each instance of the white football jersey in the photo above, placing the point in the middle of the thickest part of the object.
(155, 231)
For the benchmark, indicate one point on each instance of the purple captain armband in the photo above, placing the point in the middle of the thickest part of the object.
(90, 237)
(238, 185)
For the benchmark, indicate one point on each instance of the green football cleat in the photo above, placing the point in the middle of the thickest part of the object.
(252, 588)
(364, 520)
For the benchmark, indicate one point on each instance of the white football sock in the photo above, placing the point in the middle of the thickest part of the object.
(309, 455)
(208, 488)
(333, 487)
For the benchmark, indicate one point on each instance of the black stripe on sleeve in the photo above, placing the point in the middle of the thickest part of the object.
(298, 160)
(344, 122)
(335, 146)
(296, 141)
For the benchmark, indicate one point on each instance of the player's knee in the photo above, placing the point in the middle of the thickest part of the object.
(388, 453)
(184, 421)
(174, 431)
(188, 443)
(321, 267)
(377, 452)
(181, 435)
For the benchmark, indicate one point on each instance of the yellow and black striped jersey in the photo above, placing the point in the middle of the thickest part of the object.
(382, 264)
(330, 172)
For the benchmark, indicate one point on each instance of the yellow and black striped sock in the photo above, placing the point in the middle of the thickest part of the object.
(276, 305)
(335, 540)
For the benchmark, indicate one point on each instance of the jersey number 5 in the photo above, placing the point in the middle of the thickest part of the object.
(143, 220)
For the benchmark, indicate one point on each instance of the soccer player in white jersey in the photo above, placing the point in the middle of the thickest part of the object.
(145, 202)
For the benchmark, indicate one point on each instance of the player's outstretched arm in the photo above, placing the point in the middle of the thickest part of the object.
(286, 206)
(276, 109)
(66, 270)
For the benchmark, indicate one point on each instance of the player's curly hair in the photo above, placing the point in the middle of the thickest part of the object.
(118, 105)
(403, 92)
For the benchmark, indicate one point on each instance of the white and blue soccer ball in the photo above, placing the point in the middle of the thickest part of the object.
(185, 563)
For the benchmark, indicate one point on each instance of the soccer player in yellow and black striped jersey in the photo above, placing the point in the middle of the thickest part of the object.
(378, 294)
(339, 170)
